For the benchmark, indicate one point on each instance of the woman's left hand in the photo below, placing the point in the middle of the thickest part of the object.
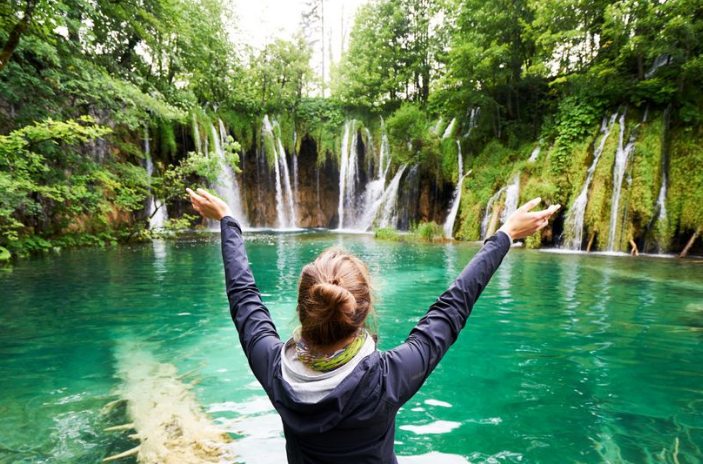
(208, 205)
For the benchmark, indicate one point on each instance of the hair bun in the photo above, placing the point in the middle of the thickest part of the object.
(333, 302)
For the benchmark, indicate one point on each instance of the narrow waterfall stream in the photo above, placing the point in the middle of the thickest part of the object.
(226, 184)
(573, 226)
(621, 159)
(512, 196)
(347, 171)
(388, 203)
(489, 212)
(285, 205)
(456, 199)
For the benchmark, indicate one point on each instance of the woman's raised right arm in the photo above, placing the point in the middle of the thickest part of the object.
(409, 365)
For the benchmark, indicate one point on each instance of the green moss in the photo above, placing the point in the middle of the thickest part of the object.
(685, 198)
(427, 232)
(386, 233)
(167, 138)
(597, 216)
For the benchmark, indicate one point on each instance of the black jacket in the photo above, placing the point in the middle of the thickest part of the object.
(355, 423)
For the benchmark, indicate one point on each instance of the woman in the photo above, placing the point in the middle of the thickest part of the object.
(336, 394)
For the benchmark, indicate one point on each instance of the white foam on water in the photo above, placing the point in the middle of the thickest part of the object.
(442, 404)
(435, 457)
(432, 428)
(256, 405)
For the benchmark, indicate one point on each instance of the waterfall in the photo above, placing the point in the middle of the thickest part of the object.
(450, 128)
(156, 210)
(473, 114)
(512, 195)
(489, 212)
(348, 175)
(621, 158)
(661, 199)
(285, 208)
(226, 185)
(456, 199)
(387, 204)
(574, 219)
(196, 135)
(286, 182)
(659, 61)
(534, 155)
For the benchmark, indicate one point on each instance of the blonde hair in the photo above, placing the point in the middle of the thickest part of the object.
(334, 297)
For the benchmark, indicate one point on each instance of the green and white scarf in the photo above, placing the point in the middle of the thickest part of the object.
(327, 362)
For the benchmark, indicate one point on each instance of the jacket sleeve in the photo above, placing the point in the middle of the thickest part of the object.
(257, 333)
(408, 366)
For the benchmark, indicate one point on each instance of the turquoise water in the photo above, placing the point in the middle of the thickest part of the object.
(566, 358)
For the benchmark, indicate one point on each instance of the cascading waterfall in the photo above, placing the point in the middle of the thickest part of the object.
(156, 210)
(473, 114)
(534, 155)
(226, 184)
(489, 212)
(621, 158)
(388, 203)
(377, 195)
(286, 182)
(196, 135)
(512, 196)
(285, 208)
(348, 176)
(449, 130)
(454, 208)
(574, 220)
(659, 61)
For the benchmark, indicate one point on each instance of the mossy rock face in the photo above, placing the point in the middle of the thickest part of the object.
(597, 216)
(685, 198)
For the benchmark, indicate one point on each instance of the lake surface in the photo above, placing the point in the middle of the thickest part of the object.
(565, 359)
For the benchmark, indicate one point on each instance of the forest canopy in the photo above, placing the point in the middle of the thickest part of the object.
(81, 82)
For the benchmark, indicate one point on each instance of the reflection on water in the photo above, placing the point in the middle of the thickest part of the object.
(566, 357)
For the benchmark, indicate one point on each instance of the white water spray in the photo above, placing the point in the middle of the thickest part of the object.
(512, 195)
(621, 158)
(285, 209)
(456, 199)
(226, 184)
(348, 176)
(573, 225)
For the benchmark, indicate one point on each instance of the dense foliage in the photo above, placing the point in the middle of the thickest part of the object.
(83, 83)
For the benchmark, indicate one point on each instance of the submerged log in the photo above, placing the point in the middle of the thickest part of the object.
(120, 427)
(127, 453)
(688, 246)
(165, 414)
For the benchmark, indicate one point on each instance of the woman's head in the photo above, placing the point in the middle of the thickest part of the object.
(334, 297)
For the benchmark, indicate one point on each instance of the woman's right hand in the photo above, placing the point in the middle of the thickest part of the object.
(209, 206)
(522, 223)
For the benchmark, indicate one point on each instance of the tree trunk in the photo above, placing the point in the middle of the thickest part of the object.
(13, 39)
(494, 220)
(590, 241)
(690, 243)
(634, 251)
